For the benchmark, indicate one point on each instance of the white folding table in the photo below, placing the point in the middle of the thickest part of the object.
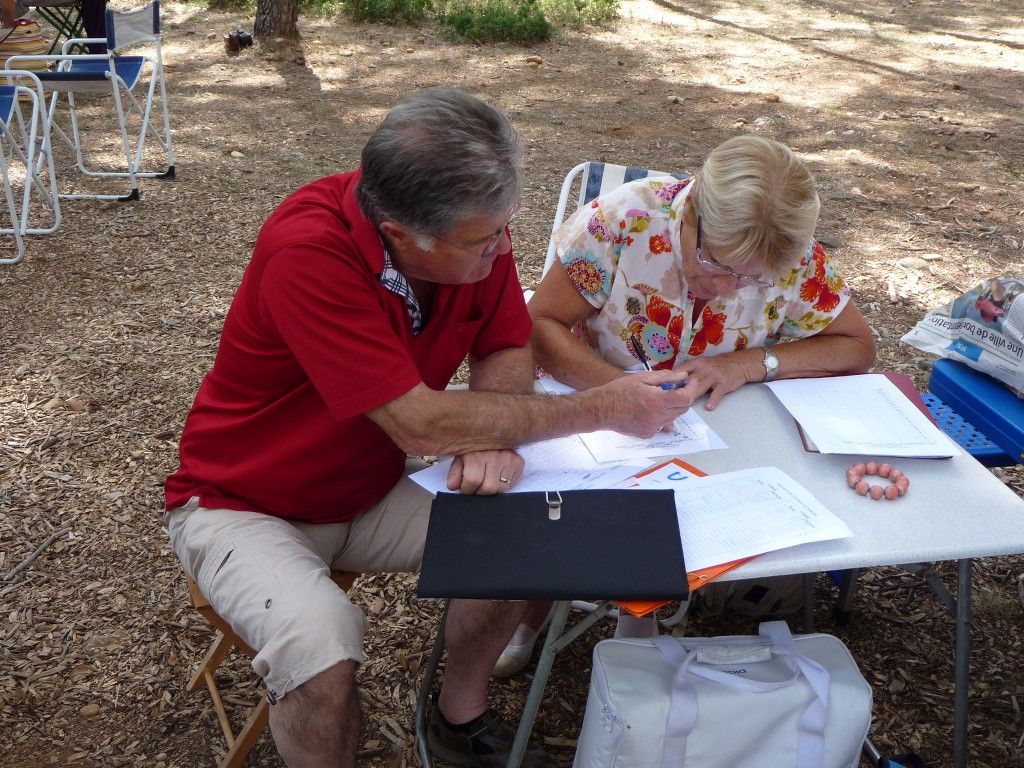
(956, 509)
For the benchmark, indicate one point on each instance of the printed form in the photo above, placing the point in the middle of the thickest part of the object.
(740, 514)
(864, 414)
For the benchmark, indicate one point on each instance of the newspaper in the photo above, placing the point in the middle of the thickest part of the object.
(983, 328)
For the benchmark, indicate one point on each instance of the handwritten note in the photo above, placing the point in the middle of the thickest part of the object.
(692, 434)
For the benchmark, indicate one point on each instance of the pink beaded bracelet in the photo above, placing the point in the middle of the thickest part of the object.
(855, 479)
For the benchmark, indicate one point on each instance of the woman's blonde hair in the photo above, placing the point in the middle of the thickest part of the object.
(757, 203)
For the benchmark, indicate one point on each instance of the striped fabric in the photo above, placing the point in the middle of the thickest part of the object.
(25, 39)
(604, 177)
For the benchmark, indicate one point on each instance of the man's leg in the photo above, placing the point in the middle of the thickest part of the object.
(270, 581)
(317, 724)
(477, 632)
(462, 730)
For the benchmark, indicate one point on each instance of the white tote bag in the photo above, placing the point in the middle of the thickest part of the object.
(770, 701)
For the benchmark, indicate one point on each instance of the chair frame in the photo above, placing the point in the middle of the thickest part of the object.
(593, 178)
(239, 744)
(29, 142)
(98, 73)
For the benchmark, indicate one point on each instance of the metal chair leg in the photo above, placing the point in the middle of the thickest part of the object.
(426, 689)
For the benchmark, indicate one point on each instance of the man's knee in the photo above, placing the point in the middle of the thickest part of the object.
(331, 691)
(317, 723)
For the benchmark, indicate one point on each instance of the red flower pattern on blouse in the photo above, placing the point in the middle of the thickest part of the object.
(660, 244)
(712, 331)
(823, 288)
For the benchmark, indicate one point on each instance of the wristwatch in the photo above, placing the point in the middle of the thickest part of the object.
(771, 365)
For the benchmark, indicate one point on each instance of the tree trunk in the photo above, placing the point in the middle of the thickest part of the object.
(277, 18)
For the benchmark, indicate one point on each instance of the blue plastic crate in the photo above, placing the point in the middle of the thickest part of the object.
(983, 416)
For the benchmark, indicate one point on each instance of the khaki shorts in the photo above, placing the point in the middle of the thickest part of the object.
(270, 578)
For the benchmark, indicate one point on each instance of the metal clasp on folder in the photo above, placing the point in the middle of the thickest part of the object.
(554, 499)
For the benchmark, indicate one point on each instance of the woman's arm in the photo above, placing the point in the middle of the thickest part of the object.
(556, 307)
(844, 346)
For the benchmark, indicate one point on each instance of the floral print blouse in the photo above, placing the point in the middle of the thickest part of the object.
(622, 252)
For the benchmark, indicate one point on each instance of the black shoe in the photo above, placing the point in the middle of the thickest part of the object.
(484, 742)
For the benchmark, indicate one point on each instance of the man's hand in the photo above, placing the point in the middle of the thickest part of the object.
(637, 404)
(485, 472)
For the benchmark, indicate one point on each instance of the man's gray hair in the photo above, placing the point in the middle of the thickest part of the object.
(439, 158)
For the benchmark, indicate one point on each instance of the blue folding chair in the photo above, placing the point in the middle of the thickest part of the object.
(116, 74)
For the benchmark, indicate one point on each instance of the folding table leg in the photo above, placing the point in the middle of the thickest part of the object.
(962, 668)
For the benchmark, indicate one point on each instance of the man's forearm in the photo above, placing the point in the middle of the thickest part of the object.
(510, 371)
(457, 422)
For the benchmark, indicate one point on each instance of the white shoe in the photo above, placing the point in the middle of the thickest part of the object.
(519, 651)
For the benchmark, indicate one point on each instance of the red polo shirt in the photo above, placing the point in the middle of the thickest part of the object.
(312, 342)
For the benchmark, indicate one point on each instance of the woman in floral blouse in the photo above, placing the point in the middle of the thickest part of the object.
(706, 275)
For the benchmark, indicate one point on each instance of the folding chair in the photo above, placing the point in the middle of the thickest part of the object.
(594, 179)
(241, 743)
(23, 138)
(119, 75)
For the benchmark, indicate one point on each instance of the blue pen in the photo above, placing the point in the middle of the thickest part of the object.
(677, 385)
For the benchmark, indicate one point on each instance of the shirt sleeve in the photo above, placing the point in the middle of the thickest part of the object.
(584, 246)
(814, 296)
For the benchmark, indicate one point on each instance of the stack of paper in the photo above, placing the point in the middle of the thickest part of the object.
(863, 415)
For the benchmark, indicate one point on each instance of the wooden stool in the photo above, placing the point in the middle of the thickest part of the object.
(238, 744)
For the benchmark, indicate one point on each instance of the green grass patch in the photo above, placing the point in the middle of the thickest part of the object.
(491, 21)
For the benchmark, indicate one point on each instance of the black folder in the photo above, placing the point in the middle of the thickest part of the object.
(612, 544)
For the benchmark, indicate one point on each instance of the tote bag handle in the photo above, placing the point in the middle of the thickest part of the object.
(682, 713)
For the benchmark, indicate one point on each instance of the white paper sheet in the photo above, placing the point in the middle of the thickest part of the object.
(692, 435)
(745, 513)
(864, 415)
(562, 464)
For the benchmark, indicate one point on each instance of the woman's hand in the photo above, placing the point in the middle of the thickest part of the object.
(718, 376)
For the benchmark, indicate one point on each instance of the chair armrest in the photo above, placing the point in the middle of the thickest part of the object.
(81, 42)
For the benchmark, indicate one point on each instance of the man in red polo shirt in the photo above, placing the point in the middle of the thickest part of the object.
(365, 292)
